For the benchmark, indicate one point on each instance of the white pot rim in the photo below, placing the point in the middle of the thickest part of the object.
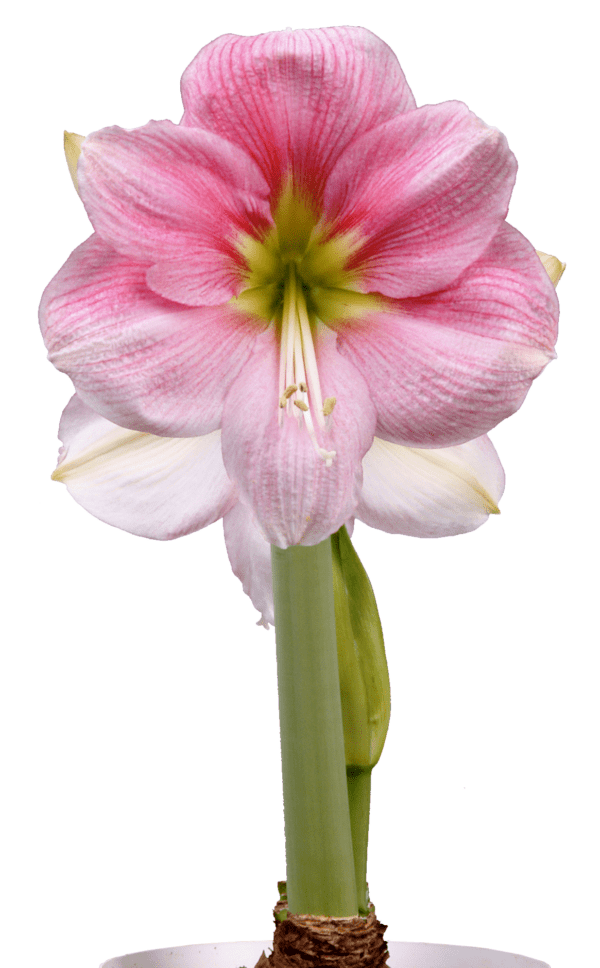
(403, 954)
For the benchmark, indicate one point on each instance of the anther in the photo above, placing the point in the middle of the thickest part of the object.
(328, 405)
(287, 393)
(301, 405)
(302, 387)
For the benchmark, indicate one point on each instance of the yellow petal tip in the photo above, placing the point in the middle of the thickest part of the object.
(73, 143)
(553, 266)
(490, 506)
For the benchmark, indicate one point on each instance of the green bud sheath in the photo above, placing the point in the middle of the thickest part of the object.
(364, 679)
(364, 691)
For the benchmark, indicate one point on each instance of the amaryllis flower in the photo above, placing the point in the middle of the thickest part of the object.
(306, 262)
(165, 487)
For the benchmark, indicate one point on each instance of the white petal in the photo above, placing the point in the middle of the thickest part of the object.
(157, 487)
(250, 556)
(430, 493)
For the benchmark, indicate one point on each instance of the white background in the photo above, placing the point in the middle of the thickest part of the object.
(142, 798)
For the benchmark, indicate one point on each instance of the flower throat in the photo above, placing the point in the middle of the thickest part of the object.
(296, 279)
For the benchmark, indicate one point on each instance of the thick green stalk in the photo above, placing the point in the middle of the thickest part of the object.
(319, 853)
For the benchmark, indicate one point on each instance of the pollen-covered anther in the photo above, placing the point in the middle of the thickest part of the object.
(301, 405)
(287, 393)
(328, 405)
(302, 387)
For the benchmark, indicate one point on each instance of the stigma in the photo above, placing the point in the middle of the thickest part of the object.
(300, 395)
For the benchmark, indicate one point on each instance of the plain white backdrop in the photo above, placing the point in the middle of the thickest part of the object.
(142, 796)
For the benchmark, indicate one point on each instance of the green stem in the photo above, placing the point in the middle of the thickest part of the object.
(359, 798)
(319, 853)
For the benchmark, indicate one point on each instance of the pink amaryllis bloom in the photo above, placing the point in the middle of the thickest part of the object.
(306, 262)
(166, 487)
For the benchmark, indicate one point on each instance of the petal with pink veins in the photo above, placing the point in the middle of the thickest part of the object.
(430, 493)
(250, 557)
(297, 498)
(425, 192)
(447, 367)
(294, 99)
(139, 360)
(421, 493)
(178, 199)
(156, 487)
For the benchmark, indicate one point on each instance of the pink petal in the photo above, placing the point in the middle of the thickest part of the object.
(430, 493)
(137, 359)
(178, 199)
(506, 294)
(448, 367)
(156, 487)
(427, 191)
(295, 496)
(250, 556)
(294, 99)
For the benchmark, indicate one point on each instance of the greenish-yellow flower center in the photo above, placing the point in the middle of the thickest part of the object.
(297, 279)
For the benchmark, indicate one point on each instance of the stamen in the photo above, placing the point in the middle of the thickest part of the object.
(286, 360)
(298, 371)
(311, 362)
(291, 321)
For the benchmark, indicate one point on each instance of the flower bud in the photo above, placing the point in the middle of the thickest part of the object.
(364, 680)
